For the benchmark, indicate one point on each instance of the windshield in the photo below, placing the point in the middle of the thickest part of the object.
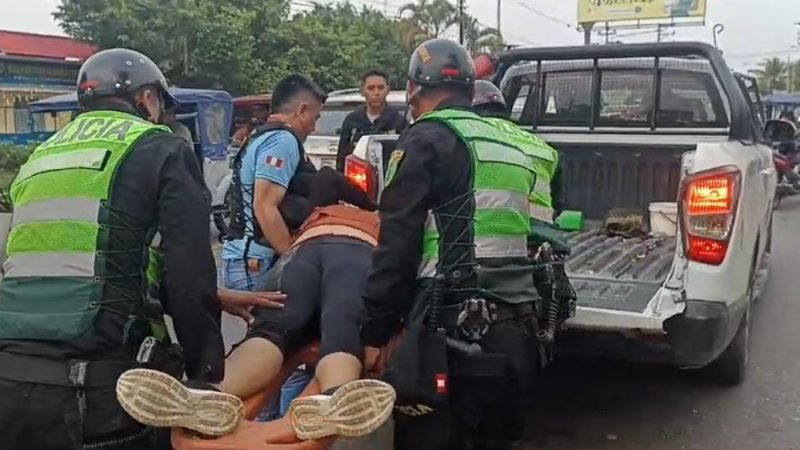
(330, 121)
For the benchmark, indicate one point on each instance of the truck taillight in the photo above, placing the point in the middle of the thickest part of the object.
(360, 173)
(708, 203)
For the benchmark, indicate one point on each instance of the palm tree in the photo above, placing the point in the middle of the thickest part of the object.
(432, 16)
(478, 39)
(772, 74)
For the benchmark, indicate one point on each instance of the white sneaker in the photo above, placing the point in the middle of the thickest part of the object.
(357, 408)
(156, 399)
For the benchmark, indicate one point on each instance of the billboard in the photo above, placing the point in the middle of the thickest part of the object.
(620, 10)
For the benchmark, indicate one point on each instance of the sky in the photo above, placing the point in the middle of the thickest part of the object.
(754, 29)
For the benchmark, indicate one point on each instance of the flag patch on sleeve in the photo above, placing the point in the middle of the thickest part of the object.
(274, 162)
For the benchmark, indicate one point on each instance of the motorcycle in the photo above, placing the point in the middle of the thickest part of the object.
(786, 157)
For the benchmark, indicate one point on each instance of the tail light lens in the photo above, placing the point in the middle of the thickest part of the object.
(708, 205)
(361, 174)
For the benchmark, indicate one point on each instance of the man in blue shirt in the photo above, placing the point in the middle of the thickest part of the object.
(273, 165)
(268, 167)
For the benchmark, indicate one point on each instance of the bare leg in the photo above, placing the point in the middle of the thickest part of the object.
(337, 369)
(251, 367)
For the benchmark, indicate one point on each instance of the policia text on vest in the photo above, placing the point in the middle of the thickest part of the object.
(58, 236)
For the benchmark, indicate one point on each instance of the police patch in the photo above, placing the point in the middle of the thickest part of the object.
(394, 163)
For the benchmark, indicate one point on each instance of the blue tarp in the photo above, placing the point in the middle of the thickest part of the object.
(214, 115)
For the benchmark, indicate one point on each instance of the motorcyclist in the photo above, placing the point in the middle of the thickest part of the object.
(454, 217)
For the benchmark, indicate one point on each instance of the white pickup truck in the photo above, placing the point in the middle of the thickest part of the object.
(635, 125)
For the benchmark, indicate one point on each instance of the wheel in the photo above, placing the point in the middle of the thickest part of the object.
(730, 368)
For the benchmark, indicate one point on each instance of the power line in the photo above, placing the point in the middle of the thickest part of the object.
(545, 15)
(755, 55)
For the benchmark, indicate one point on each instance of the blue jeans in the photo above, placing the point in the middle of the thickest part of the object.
(236, 276)
(290, 390)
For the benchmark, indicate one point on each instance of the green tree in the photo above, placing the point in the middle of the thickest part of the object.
(434, 17)
(772, 75)
(243, 45)
(197, 43)
(478, 39)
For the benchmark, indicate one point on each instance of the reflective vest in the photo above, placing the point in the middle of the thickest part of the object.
(56, 269)
(503, 178)
(545, 162)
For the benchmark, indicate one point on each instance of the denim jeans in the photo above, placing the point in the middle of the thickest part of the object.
(236, 276)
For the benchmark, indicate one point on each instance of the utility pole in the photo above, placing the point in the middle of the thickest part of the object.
(461, 22)
(587, 32)
(658, 33)
(499, 16)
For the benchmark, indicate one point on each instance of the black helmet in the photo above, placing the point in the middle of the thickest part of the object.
(441, 62)
(120, 72)
(488, 100)
(486, 93)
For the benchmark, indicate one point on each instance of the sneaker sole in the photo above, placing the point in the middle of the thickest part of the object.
(158, 400)
(356, 409)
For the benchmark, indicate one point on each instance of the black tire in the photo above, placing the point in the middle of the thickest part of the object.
(730, 368)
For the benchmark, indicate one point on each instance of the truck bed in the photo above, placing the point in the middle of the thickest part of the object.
(611, 272)
(616, 273)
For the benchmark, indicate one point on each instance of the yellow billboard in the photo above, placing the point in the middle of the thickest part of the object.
(619, 10)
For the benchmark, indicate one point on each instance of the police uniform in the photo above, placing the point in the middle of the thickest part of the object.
(546, 201)
(74, 311)
(456, 207)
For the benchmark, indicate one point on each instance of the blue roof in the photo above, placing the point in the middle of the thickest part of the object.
(69, 102)
(783, 98)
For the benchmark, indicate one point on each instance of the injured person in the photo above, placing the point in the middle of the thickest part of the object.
(323, 275)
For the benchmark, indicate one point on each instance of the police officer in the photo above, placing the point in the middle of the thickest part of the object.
(455, 210)
(546, 202)
(73, 314)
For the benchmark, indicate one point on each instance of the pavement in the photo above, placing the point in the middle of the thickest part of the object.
(599, 404)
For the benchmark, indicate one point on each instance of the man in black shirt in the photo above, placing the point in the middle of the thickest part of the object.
(376, 117)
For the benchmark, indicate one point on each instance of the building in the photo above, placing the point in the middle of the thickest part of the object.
(35, 66)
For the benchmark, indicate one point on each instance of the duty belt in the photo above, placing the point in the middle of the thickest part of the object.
(67, 373)
(500, 312)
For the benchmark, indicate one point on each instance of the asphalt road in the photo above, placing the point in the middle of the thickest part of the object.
(599, 404)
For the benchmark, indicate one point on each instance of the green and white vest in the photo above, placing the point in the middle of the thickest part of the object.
(503, 178)
(56, 267)
(545, 162)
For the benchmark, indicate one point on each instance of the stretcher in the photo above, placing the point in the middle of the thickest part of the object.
(250, 435)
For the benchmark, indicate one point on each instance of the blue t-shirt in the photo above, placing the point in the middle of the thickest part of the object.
(274, 157)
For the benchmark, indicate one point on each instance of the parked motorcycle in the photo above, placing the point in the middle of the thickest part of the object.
(786, 156)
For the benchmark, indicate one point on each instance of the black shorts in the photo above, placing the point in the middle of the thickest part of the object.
(323, 279)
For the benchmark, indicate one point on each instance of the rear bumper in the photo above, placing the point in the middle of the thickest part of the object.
(703, 331)
(691, 338)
